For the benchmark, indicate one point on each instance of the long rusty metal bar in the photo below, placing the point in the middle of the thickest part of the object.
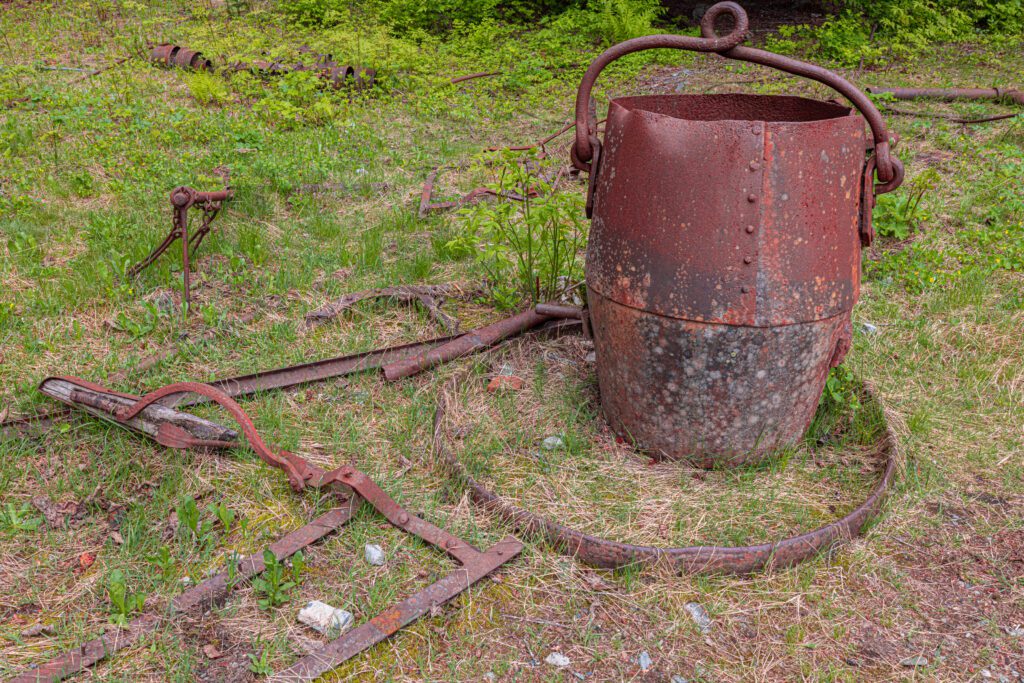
(466, 344)
(952, 93)
(604, 553)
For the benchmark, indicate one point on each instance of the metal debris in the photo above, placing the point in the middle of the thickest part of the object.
(428, 205)
(724, 254)
(1011, 94)
(167, 54)
(466, 344)
(350, 486)
(182, 199)
(601, 552)
(431, 297)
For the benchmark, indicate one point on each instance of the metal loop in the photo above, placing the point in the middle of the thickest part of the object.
(586, 123)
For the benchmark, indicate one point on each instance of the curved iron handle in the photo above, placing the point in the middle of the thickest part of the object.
(888, 167)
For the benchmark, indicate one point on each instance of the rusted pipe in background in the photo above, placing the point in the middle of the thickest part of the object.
(952, 93)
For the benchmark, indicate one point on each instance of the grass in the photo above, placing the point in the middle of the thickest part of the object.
(85, 174)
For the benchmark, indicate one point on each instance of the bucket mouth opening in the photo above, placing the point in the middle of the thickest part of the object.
(735, 107)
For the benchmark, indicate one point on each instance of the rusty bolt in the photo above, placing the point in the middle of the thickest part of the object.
(751, 197)
(750, 229)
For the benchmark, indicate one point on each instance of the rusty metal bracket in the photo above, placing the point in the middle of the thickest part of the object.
(605, 553)
(192, 602)
(354, 487)
(182, 199)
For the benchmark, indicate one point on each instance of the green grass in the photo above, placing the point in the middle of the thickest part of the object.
(85, 172)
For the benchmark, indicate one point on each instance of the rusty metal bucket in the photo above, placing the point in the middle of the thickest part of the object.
(724, 253)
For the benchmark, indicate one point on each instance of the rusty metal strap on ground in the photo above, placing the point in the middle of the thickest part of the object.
(352, 485)
(604, 553)
(191, 603)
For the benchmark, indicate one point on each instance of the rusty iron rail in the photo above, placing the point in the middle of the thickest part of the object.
(354, 487)
(605, 553)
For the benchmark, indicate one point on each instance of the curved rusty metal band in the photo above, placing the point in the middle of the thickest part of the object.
(284, 460)
(604, 553)
(888, 167)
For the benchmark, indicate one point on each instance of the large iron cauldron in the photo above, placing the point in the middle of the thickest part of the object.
(724, 253)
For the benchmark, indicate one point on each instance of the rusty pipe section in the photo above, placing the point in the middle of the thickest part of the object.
(952, 93)
(475, 341)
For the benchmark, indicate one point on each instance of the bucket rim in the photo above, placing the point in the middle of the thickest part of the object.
(827, 111)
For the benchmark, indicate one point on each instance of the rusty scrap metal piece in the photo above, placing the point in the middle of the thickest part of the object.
(952, 93)
(604, 553)
(428, 205)
(160, 422)
(193, 602)
(466, 344)
(724, 254)
(339, 75)
(167, 54)
(355, 487)
(182, 199)
(469, 77)
(432, 297)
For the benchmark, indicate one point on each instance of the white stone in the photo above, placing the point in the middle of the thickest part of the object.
(558, 659)
(325, 619)
(700, 616)
(552, 442)
(374, 554)
(645, 661)
(915, 661)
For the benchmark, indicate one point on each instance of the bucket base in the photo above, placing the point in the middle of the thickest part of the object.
(715, 395)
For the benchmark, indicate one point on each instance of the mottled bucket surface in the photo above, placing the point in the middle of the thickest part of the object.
(723, 263)
(739, 209)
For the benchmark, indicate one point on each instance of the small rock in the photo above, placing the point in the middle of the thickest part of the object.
(985, 673)
(645, 661)
(374, 554)
(505, 383)
(116, 537)
(868, 328)
(700, 617)
(361, 171)
(558, 659)
(211, 651)
(185, 581)
(489, 676)
(914, 661)
(1015, 632)
(360, 396)
(552, 442)
(506, 370)
(325, 619)
(591, 357)
(677, 679)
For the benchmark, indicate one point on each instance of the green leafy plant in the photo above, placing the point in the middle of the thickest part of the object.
(14, 518)
(531, 247)
(190, 523)
(618, 20)
(274, 584)
(897, 215)
(225, 515)
(207, 88)
(164, 562)
(123, 603)
(840, 388)
(261, 665)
